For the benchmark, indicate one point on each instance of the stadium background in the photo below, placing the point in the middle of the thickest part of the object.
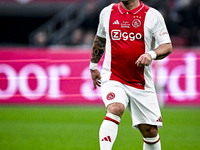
(46, 96)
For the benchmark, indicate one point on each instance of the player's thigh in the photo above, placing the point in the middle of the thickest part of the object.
(113, 92)
(144, 108)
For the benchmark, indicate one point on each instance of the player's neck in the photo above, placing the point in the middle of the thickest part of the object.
(132, 4)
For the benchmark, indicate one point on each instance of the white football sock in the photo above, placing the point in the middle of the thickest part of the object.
(152, 143)
(108, 131)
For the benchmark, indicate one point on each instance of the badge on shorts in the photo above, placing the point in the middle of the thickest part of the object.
(110, 96)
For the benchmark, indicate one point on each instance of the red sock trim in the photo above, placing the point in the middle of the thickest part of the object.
(110, 119)
(152, 142)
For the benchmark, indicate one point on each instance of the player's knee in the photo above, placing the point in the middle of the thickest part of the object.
(116, 109)
(148, 131)
(153, 132)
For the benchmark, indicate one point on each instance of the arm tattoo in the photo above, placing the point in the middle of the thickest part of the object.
(98, 49)
(163, 55)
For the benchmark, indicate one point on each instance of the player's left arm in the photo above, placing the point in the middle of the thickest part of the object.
(159, 53)
(163, 51)
(161, 36)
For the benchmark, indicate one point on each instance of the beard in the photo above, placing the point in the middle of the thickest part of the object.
(125, 1)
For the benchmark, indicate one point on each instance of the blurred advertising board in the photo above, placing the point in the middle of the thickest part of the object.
(43, 76)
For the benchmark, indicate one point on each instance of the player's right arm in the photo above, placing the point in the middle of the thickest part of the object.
(97, 52)
(98, 49)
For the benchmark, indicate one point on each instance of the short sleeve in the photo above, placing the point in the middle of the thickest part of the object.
(101, 28)
(160, 32)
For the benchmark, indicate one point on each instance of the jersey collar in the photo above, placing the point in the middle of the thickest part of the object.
(133, 11)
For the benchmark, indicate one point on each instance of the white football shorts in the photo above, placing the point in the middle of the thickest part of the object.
(143, 105)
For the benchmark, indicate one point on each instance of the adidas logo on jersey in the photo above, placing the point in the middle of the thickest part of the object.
(106, 139)
(116, 22)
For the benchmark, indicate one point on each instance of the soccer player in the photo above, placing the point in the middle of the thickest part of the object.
(133, 35)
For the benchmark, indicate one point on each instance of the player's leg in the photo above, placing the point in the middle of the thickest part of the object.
(115, 101)
(109, 127)
(150, 137)
(146, 116)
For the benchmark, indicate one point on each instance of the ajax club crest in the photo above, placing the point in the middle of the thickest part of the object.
(110, 96)
(136, 23)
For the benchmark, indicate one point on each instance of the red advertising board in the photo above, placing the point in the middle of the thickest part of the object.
(177, 78)
(43, 76)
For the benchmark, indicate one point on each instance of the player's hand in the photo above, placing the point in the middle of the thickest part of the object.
(96, 77)
(144, 60)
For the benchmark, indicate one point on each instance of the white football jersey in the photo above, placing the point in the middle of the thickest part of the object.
(130, 34)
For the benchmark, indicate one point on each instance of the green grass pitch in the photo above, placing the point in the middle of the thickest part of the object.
(76, 128)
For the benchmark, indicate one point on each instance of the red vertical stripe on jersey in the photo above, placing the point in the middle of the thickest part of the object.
(126, 30)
